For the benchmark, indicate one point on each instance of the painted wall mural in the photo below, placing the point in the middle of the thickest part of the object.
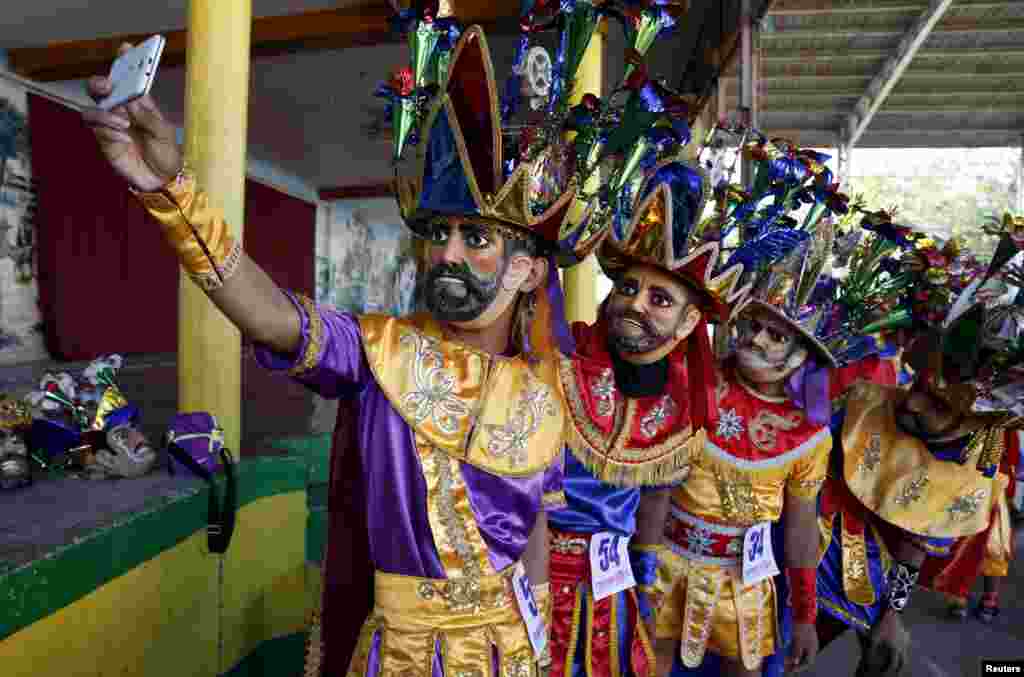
(365, 258)
(21, 336)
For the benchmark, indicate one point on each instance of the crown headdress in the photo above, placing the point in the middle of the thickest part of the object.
(972, 313)
(543, 183)
(777, 258)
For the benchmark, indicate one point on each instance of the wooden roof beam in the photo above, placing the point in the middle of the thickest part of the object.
(775, 55)
(831, 7)
(953, 27)
(324, 29)
(885, 80)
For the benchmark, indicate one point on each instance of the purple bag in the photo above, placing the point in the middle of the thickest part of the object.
(199, 435)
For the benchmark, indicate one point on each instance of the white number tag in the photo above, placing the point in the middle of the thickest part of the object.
(758, 556)
(535, 626)
(610, 571)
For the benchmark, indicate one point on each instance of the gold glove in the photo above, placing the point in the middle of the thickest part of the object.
(196, 231)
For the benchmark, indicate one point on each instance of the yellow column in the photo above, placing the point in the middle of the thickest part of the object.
(580, 281)
(216, 106)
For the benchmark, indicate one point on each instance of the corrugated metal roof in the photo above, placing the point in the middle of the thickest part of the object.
(964, 87)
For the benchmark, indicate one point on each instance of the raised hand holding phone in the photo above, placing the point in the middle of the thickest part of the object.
(133, 72)
(140, 144)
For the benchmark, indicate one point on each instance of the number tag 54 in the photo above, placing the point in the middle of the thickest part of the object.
(610, 571)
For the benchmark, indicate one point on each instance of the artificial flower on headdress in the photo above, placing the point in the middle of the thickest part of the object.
(781, 256)
(971, 317)
(543, 178)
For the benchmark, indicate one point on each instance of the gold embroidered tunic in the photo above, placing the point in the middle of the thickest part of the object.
(459, 450)
(759, 450)
(896, 477)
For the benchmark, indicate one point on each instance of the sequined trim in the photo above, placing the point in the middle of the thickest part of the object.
(434, 397)
(763, 429)
(964, 507)
(842, 614)
(650, 425)
(459, 544)
(314, 647)
(603, 389)
(854, 554)
(748, 603)
(912, 490)
(807, 446)
(315, 337)
(462, 594)
(210, 281)
(738, 499)
(872, 454)
(609, 458)
(568, 545)
(701, 599)
(511, 438)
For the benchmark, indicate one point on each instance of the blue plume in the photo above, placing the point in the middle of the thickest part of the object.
(769, 247)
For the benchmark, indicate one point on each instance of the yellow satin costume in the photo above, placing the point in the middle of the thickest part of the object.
(760, 450)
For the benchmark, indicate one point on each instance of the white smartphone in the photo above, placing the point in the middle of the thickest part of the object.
(133, 72)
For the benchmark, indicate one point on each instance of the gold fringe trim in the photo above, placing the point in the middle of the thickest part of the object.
(596, 451)
(577, 618)
(641, 633)
(671, 469)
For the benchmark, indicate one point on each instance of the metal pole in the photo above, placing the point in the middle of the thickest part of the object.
(746, 82)
(1020, 179)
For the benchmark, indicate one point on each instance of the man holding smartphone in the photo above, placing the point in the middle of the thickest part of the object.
(460, 424)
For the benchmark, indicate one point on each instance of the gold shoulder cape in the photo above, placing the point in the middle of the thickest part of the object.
(500, 414)
(896, 477)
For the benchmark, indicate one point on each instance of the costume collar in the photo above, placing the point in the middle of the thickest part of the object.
(900, 479)
(501, 414)
(643, 441)
(759, 430)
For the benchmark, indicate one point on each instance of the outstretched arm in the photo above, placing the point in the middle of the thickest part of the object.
(141, 146)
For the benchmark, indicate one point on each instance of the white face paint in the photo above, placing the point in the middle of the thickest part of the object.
(767, 350)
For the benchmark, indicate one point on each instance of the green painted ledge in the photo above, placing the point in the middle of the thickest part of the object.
(35, 590)
(278, 657)
(316, 449)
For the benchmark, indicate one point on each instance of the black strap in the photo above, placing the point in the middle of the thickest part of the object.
(221, 518)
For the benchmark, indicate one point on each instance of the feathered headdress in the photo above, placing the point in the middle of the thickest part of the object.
(457, 153)
(969, 317)
(781, 259)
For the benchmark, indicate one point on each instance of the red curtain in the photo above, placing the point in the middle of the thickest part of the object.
(107, 281)
(280, 235)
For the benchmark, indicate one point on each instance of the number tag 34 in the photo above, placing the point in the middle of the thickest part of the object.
(610, 571)
(758, 556)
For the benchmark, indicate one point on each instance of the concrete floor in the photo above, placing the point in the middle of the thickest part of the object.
(941, 647)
